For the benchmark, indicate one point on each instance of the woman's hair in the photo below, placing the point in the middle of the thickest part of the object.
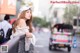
(28, 22)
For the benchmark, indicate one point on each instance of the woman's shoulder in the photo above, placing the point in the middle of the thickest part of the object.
(21, 20)
(22, 23)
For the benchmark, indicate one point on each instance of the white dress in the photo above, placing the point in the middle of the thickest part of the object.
(22, 31)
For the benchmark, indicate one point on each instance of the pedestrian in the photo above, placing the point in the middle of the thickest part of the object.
(23, 25)
(4, 27)
(7, 17)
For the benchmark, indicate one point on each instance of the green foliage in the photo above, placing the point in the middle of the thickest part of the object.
(70, 11)
(37, 21)
(22, 2)
(46, 24)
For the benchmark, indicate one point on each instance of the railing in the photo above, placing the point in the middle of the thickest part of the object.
(15, 45)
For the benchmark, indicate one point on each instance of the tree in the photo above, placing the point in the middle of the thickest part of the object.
(37, 21)
(70, 11)
(22, 2)
(55, 13)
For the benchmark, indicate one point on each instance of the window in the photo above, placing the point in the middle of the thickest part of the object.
(75, 22)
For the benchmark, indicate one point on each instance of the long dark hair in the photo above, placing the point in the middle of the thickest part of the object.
(28, 22)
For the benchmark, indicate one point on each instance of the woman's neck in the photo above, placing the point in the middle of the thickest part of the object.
(25, 19)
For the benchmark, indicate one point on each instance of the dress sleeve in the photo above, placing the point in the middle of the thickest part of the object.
(25, 29)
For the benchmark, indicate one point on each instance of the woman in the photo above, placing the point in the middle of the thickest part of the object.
(23, 25)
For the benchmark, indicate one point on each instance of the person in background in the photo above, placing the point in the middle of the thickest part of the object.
(23, 25)
(4, 25)
(7, 17)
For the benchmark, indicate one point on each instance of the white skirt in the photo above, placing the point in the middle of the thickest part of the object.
(29, 41)
(27, 44)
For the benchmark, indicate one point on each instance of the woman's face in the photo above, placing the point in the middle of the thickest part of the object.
(28, 14)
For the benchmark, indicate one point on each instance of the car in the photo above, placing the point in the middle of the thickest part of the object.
(61, 36)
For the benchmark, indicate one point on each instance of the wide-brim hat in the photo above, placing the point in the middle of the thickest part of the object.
(28, 6)
(25, 8)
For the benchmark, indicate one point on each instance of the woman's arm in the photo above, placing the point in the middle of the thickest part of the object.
(28, 35)
(22, 23)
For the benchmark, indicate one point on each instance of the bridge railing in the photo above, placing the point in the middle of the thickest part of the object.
(15, 45)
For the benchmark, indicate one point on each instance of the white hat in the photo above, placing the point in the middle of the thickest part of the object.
(25, 8)
(28, 6)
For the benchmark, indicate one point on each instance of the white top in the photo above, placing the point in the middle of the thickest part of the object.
(5, 25)
(20, 31)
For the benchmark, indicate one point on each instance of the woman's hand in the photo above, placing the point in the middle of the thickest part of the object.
(29, 35)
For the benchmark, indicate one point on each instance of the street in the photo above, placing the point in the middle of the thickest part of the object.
(43, 41)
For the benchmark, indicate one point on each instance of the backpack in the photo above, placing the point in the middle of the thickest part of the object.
(9, 33)
(1, 36)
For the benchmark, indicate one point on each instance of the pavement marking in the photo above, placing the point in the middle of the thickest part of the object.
(39, 46)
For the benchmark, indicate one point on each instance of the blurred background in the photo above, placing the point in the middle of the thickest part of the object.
(46, 15)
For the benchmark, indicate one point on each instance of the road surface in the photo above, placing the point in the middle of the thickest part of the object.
(42, 41)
